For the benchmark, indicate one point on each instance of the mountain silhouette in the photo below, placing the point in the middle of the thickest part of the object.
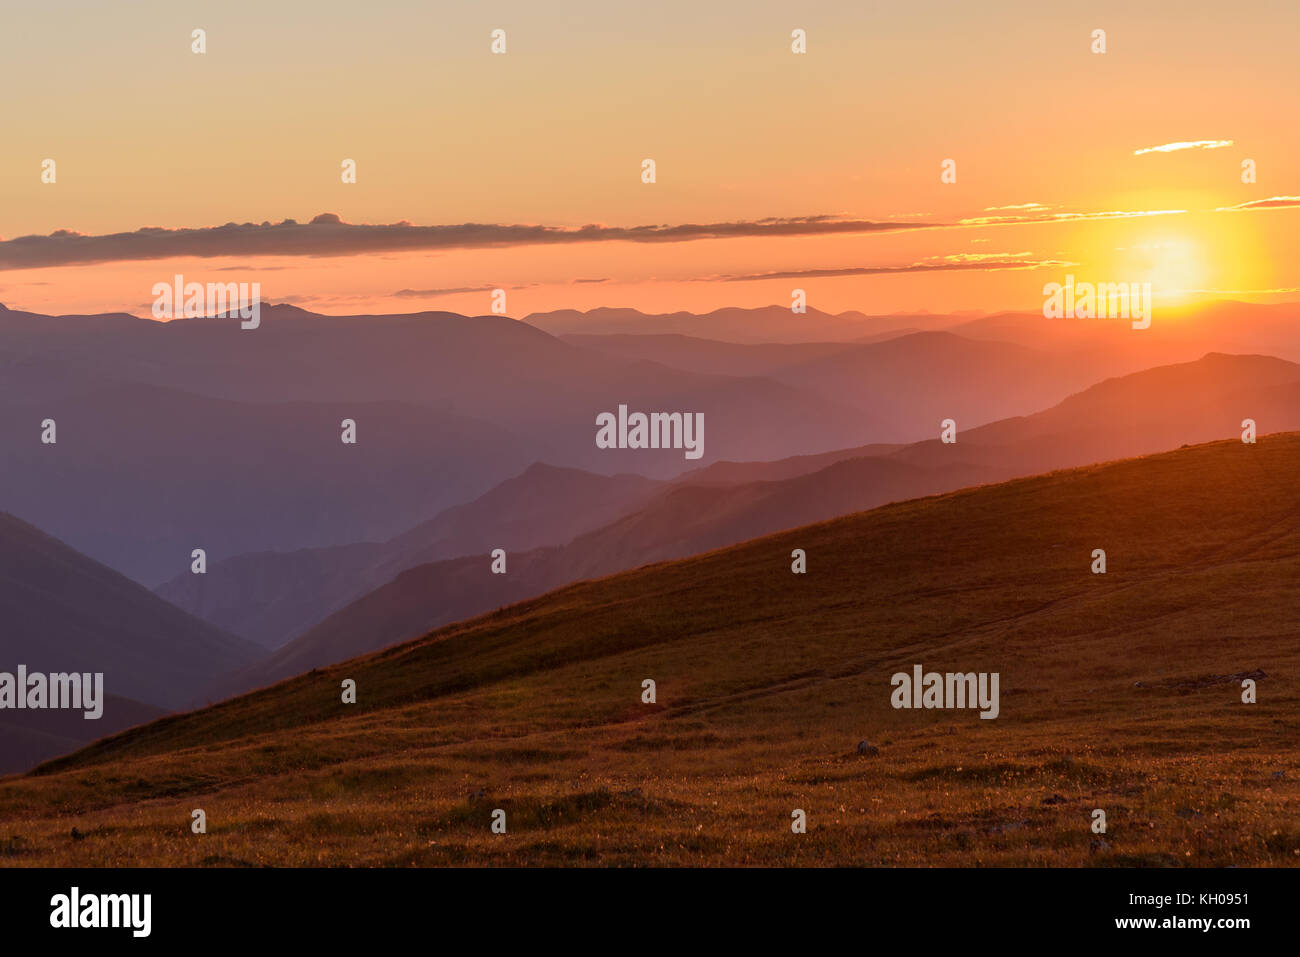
(64, 612)
(1167, 407)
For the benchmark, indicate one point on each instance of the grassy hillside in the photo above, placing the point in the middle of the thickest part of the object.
(1118, 692)
(29, 737)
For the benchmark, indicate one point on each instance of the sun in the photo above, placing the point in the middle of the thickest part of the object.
(1174, 265)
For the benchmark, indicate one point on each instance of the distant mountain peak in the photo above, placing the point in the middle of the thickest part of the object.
(287, 309)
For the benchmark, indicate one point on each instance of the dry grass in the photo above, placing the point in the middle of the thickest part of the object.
(766, 682)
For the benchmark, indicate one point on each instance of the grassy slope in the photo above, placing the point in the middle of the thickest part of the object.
(767, 681)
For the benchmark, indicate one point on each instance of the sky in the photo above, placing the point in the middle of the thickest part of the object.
(774, 170)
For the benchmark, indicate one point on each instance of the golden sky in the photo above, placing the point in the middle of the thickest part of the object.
(146, 133)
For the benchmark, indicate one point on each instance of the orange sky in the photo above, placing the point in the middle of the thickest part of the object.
(147, 133)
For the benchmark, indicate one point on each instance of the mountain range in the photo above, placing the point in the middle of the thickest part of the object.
(476, 434)
(1132, 415)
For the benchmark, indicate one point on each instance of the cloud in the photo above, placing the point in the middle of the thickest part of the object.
(1065, 217)
(953, 263)
(1185, 145)
(1273, 202)
(449, 291)
(1244, 292)
(978, 257)
(994, 209)
(458, 290)
(326, 235)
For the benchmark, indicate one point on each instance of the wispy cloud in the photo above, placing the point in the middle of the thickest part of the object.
(995, 209)
(1065, 217)
(458, 290)
(980, 257)
(953, 263)
(448, 291)
(1244, 292)
(1273, 202)
(1184, 145)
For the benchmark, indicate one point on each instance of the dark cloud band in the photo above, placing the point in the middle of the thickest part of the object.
(326, 235)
